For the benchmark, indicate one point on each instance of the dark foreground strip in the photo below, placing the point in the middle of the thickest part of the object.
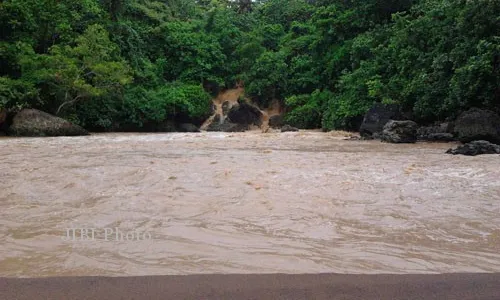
(235, 287)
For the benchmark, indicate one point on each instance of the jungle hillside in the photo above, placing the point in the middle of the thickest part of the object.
(119, 65)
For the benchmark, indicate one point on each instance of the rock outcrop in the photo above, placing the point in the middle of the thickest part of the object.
(477, 124)
(400, 132)
(475, 148)
(35, 123)
(245, 114)
(376, 118)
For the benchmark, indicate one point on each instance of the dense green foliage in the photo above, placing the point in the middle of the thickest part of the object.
(132, 64)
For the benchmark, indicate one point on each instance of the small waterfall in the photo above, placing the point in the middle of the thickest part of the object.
(229, 98)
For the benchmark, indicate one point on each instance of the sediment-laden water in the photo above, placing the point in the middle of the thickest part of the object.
(305, 202)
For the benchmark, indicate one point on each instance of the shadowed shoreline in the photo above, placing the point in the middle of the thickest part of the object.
(269, 286)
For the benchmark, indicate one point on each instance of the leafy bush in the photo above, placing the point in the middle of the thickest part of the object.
(143, 106)
(306, 110)
(16, 94)
(267, 77)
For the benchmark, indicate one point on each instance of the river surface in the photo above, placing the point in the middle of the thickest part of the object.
(306, 202)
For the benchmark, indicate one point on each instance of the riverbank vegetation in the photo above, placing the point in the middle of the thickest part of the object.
(135, 64)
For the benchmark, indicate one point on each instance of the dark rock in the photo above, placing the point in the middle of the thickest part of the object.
(32, 122)
(375, 136)
(440, 132)
(424, 131)
(188, 127)
(276, 121)
(288, 128)
(476, 148)
(245, 114)
(226, 126)
(477, 124)
(400, 132)
(376, 118)
(440, 137)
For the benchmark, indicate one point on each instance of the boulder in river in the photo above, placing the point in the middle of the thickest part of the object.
(188, 127)
(376, 118)
(440, 132)
(475, 148)
(276, 121)
(32, 122)
(400, 132)
(245, 114)
(477, 124)
(288, 128)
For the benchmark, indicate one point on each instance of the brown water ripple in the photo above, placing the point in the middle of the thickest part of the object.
(246, 203)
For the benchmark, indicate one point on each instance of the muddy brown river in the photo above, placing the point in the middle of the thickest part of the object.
(308, 202)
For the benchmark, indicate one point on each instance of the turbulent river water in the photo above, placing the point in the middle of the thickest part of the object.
(306, 202)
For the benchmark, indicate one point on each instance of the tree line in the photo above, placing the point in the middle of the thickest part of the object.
(134, 64)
